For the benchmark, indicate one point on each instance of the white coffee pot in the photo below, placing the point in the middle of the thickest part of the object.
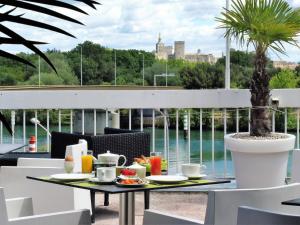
(111, 159)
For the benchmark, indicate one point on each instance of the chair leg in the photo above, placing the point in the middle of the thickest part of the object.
(106, 199)
(147, 199)
(93, 206)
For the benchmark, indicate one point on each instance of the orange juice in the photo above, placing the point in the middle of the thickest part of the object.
(87, 163)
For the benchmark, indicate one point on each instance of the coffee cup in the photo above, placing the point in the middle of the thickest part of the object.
(191, 169)
(106, 174)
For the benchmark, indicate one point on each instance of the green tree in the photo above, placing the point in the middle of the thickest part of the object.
(202, 76)
(266, 25)
(284, 79)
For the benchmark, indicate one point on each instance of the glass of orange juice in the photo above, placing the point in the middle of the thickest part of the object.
(155, 162)
(87, 162)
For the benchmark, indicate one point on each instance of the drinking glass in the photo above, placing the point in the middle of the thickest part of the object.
(87, 162)
(155, 162)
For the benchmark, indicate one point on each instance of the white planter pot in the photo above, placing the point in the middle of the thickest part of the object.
(260, 163)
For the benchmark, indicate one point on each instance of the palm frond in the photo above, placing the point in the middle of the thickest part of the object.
(263, 23)
(38, 6)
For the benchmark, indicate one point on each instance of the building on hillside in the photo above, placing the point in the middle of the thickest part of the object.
(162, 51)
(201, 58)
(166, 52)
(285, 65)
(179, 52)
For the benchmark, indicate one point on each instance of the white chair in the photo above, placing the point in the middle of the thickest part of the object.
(251, 216)
(222, 206)
(47, 198)
(295, 172)
(20, 212)
(40, 162)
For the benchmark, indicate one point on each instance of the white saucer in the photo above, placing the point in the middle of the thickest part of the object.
(96, 180)
(197, 176)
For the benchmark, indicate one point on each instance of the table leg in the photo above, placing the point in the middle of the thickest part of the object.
(127, 209)
(93, 206)
(147, 199)
(106, 199)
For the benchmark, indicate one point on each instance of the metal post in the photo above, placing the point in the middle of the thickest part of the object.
(127, 209)
(298, 125)
(36, 129)
(48, 129)
(285, 120)
(71, 121)
(95, 122)
(189, 135)
(153, 130)
(225, 150)
(237, 120)
(129, 119)
(142, 120)
(82, 122)
(106, 118)
(143, 70)
(24, 128)
(81, 65)
(177, 141)
(227, 72)
(201, 136)
(1, 131)
(59, 120)
(167, 73)
(273, 122)
(39, 71)
(213, 140)
(13, 122)
(115, 68)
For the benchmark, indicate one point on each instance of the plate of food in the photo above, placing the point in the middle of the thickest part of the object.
(131, 182)
(71, 176)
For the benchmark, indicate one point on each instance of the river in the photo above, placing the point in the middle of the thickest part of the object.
(159, 145)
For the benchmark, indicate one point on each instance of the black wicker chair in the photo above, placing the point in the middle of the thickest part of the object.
(119, 141)
(126, 142)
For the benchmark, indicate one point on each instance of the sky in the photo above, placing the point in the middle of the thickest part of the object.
(135, 24)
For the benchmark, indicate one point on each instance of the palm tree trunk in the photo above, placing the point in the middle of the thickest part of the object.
(260, 95)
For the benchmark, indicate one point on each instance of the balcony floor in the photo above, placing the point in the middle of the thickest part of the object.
(187, 204)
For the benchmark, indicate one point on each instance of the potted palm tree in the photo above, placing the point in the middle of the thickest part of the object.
(260, 157)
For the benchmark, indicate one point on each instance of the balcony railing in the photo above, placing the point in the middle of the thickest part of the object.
(218, 102)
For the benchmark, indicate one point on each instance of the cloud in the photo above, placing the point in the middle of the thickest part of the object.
(135, 24)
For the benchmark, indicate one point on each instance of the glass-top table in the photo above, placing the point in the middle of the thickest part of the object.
(127, 194)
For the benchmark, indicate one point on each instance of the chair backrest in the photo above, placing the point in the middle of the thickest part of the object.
(295, 172)
(222, 207)
(129, 144)
(30, 162)
(3, 210)
(60, 140)
(47, 198)
(251, 216)
(157, 218)
(109, 130)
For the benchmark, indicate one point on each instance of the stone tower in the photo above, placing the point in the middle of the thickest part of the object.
(179, 49)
